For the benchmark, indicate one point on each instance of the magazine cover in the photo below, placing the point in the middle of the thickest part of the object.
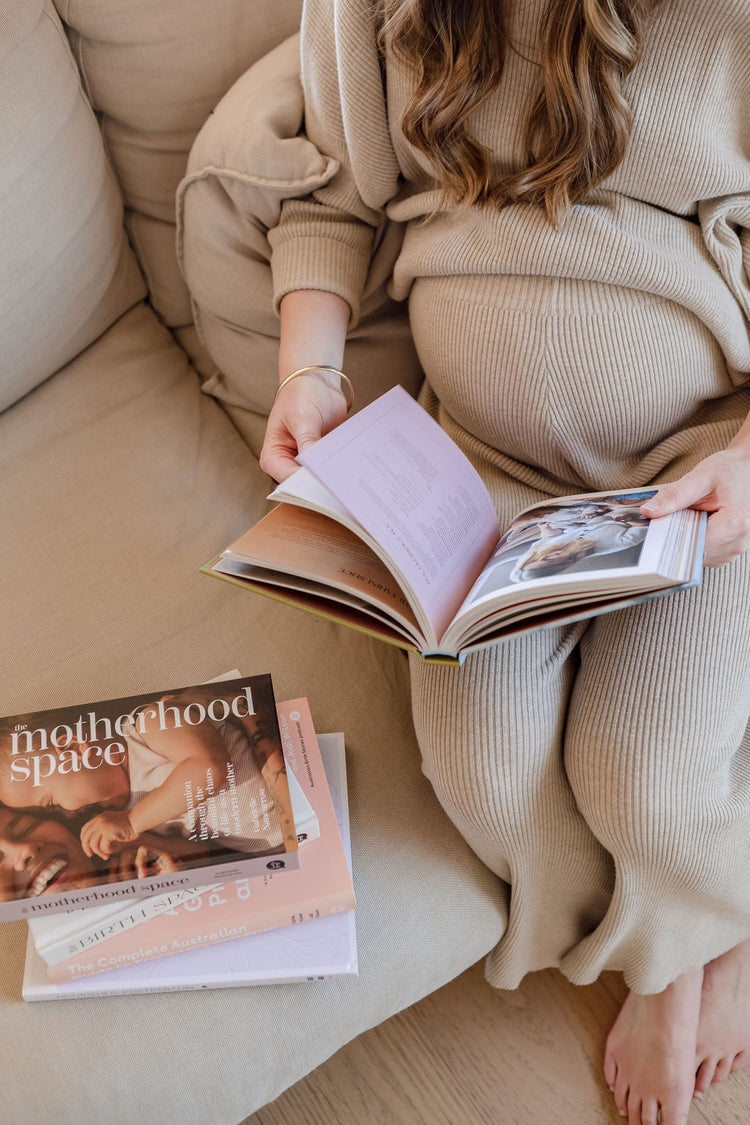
(130, 797)
(314, 950)
(321, 886)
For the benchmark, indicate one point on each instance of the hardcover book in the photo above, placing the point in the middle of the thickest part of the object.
(321, 886)
(59, 936)
(387, 527)
(308, 951)
(121, 799)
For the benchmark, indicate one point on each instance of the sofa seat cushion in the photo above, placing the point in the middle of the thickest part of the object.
(67, 271)
(118, 478)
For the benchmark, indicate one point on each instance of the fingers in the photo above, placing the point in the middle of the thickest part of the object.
(122, 866)
(719, 485)
(687, 492)
(101, 847)
(727, 535)
(86, 834)
(94, 840)
(277, 457)
(141, 862)
(305, 411)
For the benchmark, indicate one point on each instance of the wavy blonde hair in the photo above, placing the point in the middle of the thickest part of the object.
(578, 126)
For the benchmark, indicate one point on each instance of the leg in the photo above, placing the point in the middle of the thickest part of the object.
(657, 757)
(491, 738)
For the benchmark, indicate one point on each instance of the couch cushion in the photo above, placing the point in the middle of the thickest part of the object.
(247, 159)
(118, 479)
(154, 71)
(67, 272)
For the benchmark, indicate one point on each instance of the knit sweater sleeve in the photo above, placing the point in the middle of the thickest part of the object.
(325, 240)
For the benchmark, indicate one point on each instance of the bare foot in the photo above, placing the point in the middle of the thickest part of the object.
(650, 1057)
(724, 1026)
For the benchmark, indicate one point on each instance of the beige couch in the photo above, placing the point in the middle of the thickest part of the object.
(119, 476)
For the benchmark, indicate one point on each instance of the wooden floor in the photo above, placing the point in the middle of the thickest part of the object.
(468, 1055)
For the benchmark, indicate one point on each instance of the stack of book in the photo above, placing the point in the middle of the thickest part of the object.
(191, 839)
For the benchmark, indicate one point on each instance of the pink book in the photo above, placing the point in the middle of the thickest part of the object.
(320, 887)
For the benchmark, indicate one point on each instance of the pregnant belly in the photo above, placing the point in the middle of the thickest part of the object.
(577, 378)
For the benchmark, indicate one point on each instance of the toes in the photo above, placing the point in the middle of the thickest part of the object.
(634, 1109)
(704, 1077)
(610, 1070)
(674, 1112)
(621, 1092)
(722, 1068)
(649, 1111)
(740, 1060)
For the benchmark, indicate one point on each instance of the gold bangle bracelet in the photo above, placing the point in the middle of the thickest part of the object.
(311, 370)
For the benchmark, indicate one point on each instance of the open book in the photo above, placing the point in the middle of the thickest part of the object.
(387, 527)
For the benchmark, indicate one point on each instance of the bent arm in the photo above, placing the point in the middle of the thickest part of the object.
(322, 244)
(313, 331)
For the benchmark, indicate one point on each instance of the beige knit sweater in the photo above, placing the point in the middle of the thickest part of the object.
(602, 769)
(673, 219)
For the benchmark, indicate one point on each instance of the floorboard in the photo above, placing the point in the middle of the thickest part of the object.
(469, 1055)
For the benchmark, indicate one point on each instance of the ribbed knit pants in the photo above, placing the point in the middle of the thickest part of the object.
(601, 769)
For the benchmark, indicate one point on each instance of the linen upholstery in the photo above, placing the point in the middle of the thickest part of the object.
(154, 72)
(131, 479)
(249, 157)
(118, 478)
(67, 272)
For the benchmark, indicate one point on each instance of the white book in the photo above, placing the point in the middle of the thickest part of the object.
(309, 951)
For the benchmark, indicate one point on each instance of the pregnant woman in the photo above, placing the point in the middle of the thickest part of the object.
(573, 177)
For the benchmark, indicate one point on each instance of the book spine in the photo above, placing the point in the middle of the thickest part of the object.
(57, 993)
(143, 911)
(243, 866)
(273, 918)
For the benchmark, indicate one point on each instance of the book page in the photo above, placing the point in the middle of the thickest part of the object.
(578, 549)
(325, 552)
(412, 489)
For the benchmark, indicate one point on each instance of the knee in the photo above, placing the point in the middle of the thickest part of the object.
(661, 812)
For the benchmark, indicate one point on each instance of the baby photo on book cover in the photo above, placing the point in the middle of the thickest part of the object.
(112, 793)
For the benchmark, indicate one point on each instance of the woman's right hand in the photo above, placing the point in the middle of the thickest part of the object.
(313, 330)
(306, 409)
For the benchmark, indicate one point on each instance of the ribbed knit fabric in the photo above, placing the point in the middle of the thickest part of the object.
(673, 219)
(602, 770)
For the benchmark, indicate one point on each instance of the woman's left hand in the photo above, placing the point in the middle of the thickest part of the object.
(719, 485)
